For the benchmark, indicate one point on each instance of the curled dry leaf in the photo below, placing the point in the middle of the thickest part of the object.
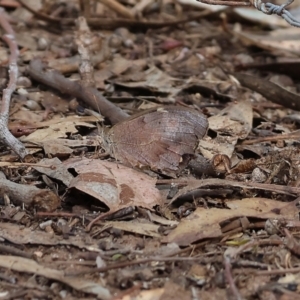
(232, 123)
(162, 139)
(26, 265)
(235, 120)
(205, 223)
(115, 185)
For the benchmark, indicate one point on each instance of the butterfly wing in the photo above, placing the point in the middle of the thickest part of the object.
(158, 138)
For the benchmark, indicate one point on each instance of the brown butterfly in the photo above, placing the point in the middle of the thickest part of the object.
(163, 139)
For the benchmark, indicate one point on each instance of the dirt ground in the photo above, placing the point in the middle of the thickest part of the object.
(152, 151)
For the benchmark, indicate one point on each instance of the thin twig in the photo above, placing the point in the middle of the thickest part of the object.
(117, 7)
(109, 23)
(230, 281)
(89, 95)
(5, 134)
(135, 262)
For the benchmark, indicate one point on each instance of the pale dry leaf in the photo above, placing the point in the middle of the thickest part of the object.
(56, 149)
(234, 120)
(57, 119)
(114, 184)
(210, 147)
(12, 233)
(258, 17)
(205, 223)
(21, 264)
(60, 172)
(283, 41)
(156, 81)
(23, 115)
(21, 13)
(63, 147)
(232, 123)
(154, 294)
(55, 131)
(211, 87)
(136, 226)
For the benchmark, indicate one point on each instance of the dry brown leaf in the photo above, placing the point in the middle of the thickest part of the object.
(146, 229)
(63, 147)
(211, 88)
(53, 102)
(115, 185)
(25, 116)
(283, 41)
(58, 129)
(12, 233)
(156, 81)
(154, 294)
(258, 17)
(210, 147)
(60, 172)
(232, 123)
(21, 264)
(235, 120)
(205, 223)
(56, 149)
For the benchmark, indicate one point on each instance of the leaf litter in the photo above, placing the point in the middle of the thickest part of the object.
(120, 213)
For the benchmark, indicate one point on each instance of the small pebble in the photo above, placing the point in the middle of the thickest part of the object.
(24, 82)
(73, 104)
(115, 41)
(45, 224)
(63, 293)
(33, 105)
(271, 226)
(68, 38)
(22, 92)
(258, 175)
(42, 44)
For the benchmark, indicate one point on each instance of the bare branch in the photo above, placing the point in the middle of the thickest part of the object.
(5, 134)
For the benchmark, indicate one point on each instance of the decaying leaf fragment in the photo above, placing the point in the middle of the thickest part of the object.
(115, 185)
(205, 223)
(162, 139)
(21, 264)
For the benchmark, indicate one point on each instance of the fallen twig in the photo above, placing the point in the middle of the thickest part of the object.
(89, 95)
(108, 23)
(228, 276)
(193, 184)
(40, 199)
(83, 38)
(5, 134)
(272, 91)
(119, 8)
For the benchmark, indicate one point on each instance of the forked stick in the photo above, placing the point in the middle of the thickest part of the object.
(5, 135)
